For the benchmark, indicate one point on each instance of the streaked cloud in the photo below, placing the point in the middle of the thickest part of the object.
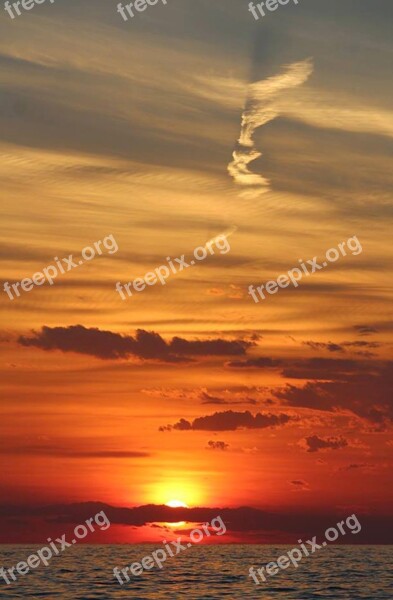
(261, 107)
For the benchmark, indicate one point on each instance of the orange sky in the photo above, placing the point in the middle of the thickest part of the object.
(135, 142)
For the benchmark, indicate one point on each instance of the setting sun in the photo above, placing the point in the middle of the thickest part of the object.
(176, 504)
(176, 490)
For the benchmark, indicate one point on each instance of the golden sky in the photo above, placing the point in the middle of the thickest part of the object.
(128, 129)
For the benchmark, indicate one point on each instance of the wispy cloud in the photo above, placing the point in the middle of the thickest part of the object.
(262, 107)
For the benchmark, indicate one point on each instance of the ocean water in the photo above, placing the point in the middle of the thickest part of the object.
(86, 573)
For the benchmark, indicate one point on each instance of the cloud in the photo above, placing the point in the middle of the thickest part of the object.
(231, 396)
(72, 453)
(324, 346)
(360, 387)
(254, 363)
(314, 443)
(327, 110)
(357, 467)
(361, 344)
(217, 445)
(216, 347)
(261, 107)
(230, 421)
(365, 329)
(322, 368)
(299, 485)
(249, 523)
(182, 425)
(331, 347)
(145, 344)
(208, 399)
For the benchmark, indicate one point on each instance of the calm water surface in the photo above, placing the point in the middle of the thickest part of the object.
(86, 573)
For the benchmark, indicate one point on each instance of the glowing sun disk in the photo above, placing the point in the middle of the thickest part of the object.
(176, 504)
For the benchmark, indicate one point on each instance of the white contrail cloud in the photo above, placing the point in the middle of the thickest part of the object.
(262, 107)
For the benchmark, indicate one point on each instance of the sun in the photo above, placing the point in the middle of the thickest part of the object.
(176, 504)
(173, 488)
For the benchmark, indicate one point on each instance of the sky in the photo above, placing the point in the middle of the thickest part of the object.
(191, 121)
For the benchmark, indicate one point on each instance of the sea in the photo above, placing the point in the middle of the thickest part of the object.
(85, 572)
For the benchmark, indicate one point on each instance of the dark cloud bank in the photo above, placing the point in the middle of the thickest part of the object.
(245, 523)
(144, 345)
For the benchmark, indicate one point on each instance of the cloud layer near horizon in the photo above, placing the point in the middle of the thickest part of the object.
(247, 523)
